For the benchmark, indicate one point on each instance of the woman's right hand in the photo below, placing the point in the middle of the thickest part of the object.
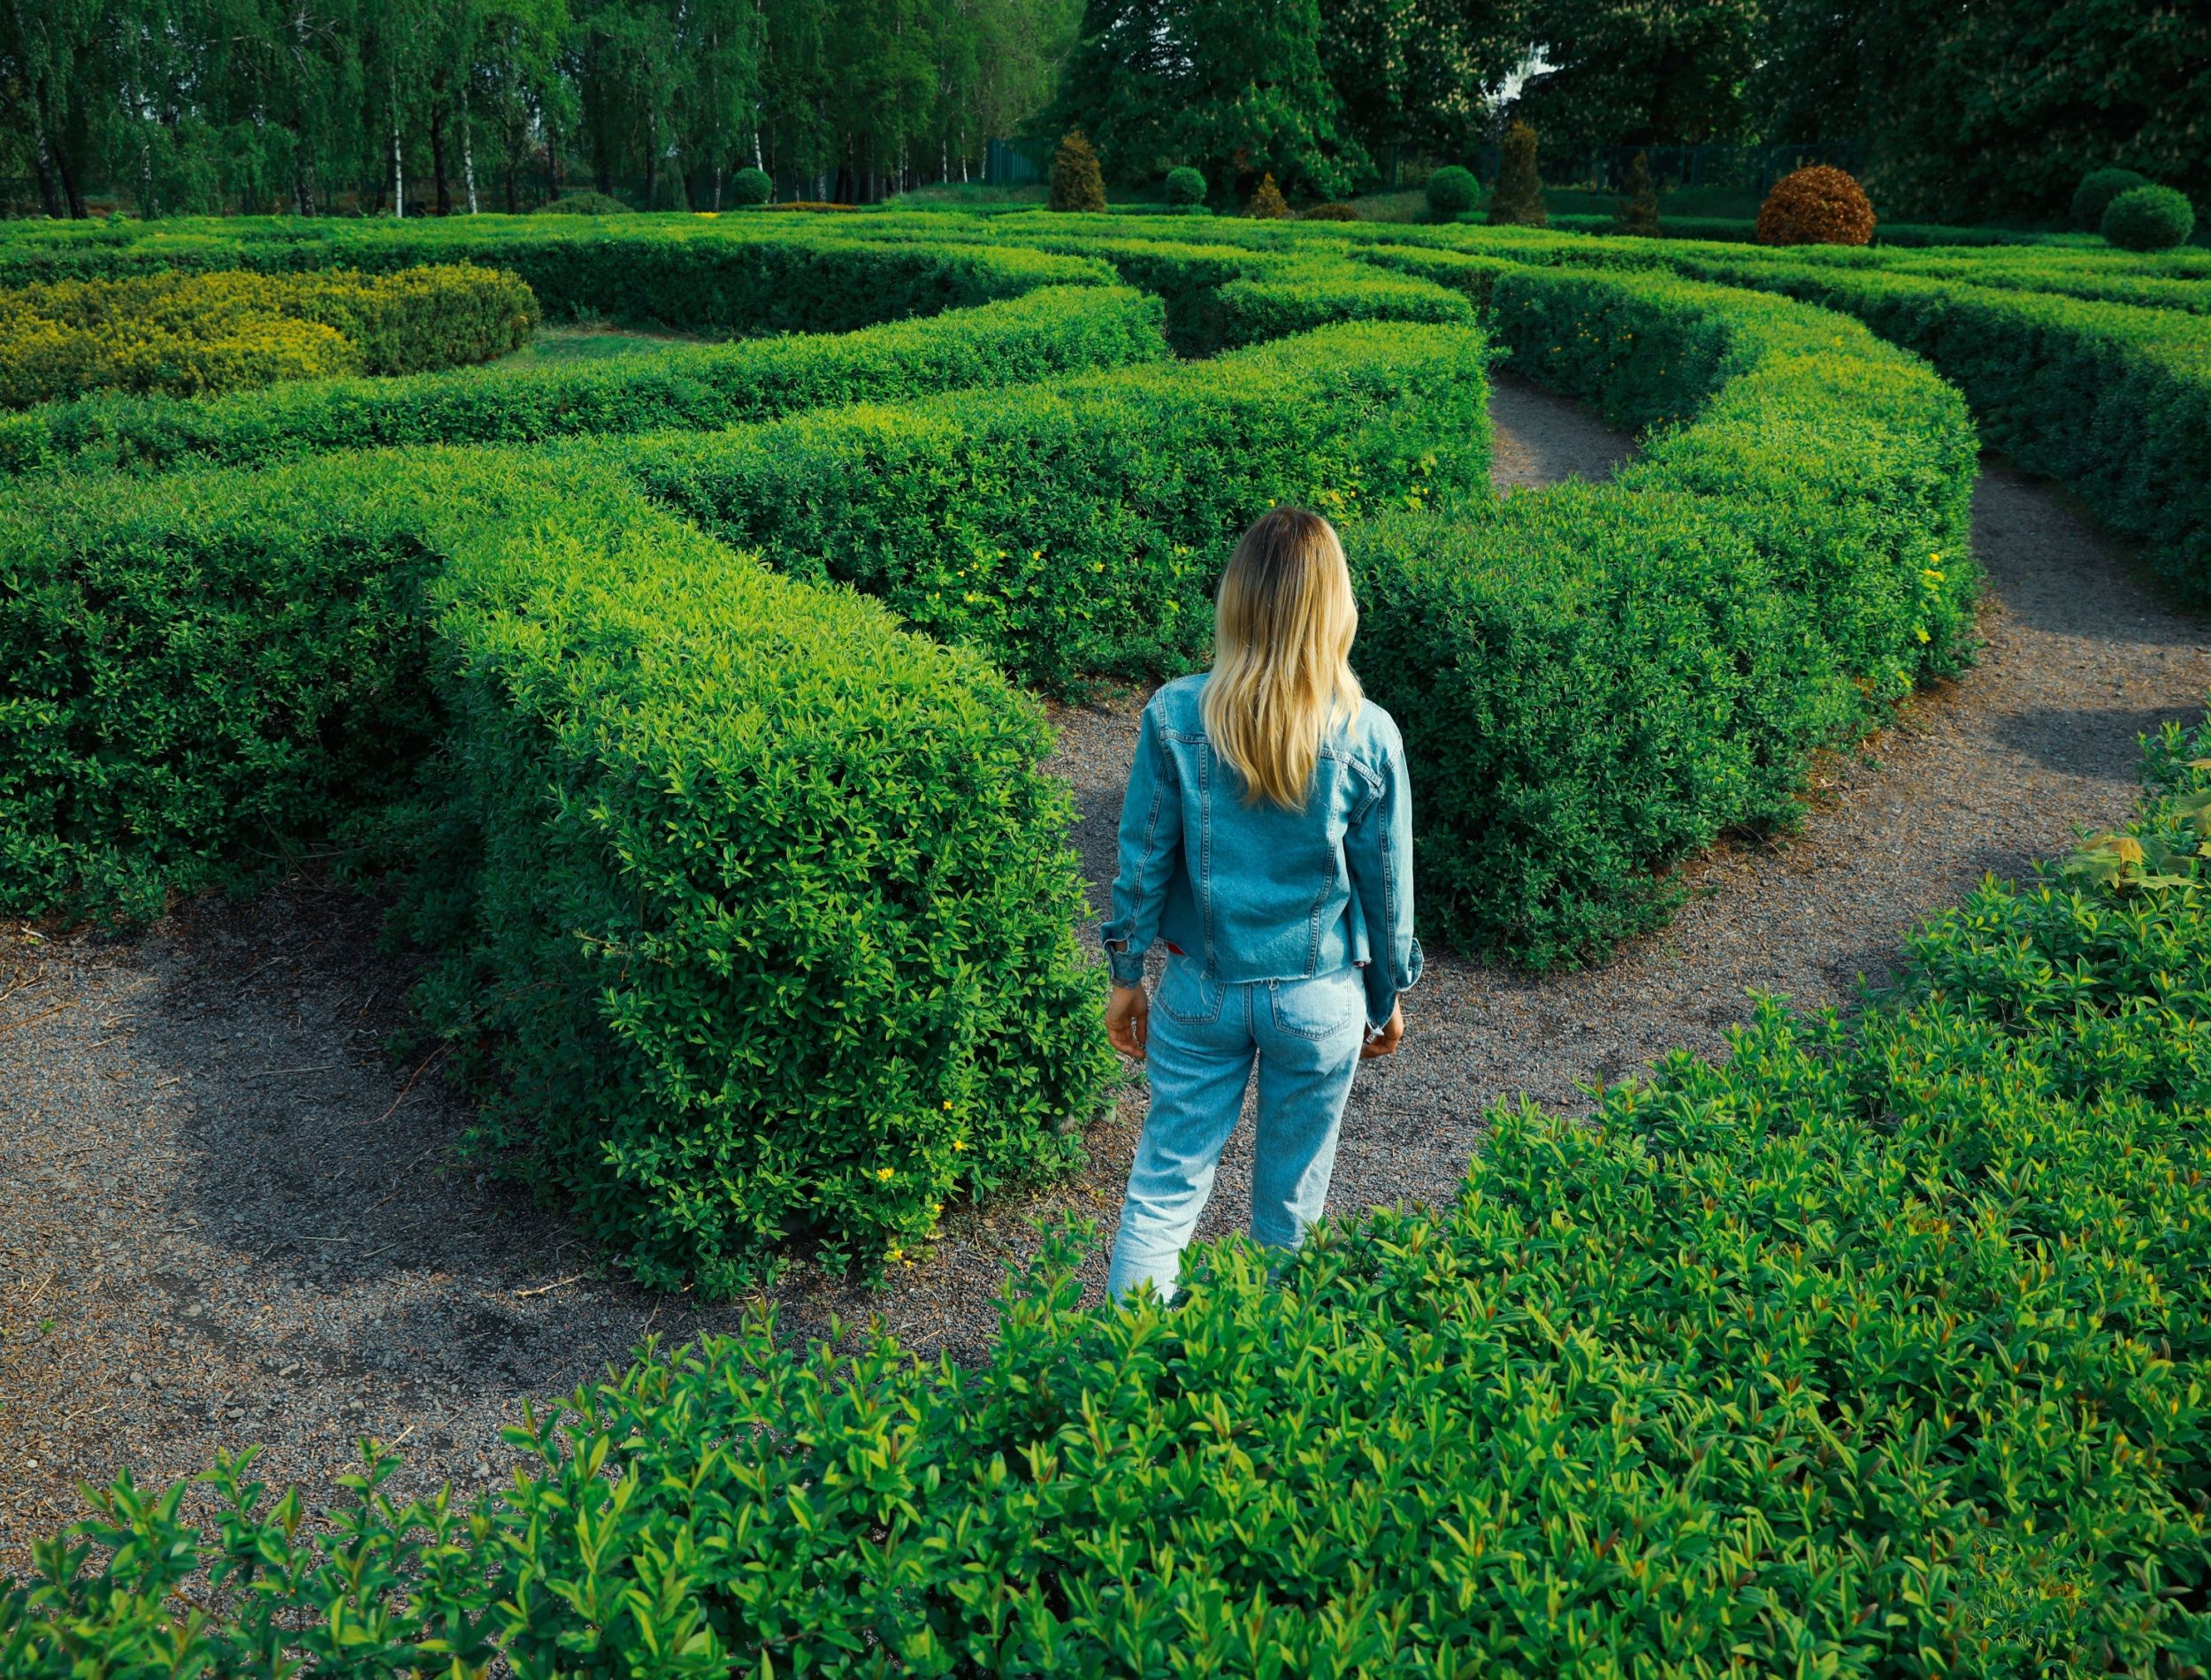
(1385, 1041)
(1127, 1019)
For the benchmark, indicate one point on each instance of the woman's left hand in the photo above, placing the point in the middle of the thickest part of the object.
(1127, 1019)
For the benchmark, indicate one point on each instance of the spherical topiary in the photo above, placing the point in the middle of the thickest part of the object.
(750, 187)
(1328, 213)
(1267, 203)
(1453, 191)
(2096, 191)
(1815, 206)
(1078, 182)
(2149, 218)
(1185, 187)
(585, 204)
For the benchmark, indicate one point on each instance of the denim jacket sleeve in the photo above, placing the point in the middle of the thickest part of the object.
(1378, 850)
(1151, 851)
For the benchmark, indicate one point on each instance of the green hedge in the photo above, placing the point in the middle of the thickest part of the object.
(1598, 682)
(1077, 529)
(1055, 331)
(1877, 1350)
(189, 334)
(1220, 297)
(2113, 401)
(759, 910)
(688, 273)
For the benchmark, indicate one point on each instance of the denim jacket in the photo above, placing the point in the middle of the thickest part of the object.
(1254, 892)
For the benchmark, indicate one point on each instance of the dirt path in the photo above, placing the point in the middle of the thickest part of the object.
(225, 1216)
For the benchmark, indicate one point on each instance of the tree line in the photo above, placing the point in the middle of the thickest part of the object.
(406, 105)
(1964, 112)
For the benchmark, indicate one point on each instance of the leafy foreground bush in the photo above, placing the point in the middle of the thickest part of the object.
(756, 910)
(2096, 191)
(1879, 1351)
(1058, 329)
(189, 334)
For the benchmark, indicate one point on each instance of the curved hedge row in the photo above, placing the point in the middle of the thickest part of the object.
(688, 832)
(1057, 330)
(1877, 1351)
(1599, 681)
(2111, 399)
(695, 949)
(190, 334)
(756, 275)
(1075, 529)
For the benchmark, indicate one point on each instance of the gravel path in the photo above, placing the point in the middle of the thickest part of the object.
(225, 1215)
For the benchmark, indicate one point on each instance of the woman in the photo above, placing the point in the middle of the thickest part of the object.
(1266, 842)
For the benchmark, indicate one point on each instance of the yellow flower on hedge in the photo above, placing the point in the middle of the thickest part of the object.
(885, 1174)
(1924, 636)
(948, 1101)
(960, 1143)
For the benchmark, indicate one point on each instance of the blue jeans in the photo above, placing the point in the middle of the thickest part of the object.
(1204, 1034)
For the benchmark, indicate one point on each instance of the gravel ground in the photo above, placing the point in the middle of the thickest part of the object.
(226, 1214)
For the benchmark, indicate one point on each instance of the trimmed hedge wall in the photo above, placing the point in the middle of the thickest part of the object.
(186, 334)
(755, 275)
(1055, 331)
(2113, 401)
(688, 832)
(1077, 529)
(1597, 683)
(1875, 1351)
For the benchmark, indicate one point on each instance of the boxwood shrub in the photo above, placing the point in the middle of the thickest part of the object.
(1875, 1350)
(756, 910)
(1075, 529)
(1057, 330)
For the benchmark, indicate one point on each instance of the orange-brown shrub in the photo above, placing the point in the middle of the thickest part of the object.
(1815, 206)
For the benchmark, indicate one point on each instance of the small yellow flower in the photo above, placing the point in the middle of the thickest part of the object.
(948, 1101)
(958, 1143)
(884, 1173)
(1924, 637)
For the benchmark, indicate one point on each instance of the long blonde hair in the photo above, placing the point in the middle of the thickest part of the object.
(1283, 623)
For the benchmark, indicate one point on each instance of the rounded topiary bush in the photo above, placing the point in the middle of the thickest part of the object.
(2149, 218)
(1453, 191)
(1328, 213)
(1815, 206)
(1185, 187)
(750, 187)
(2096, 191)
(585, 204)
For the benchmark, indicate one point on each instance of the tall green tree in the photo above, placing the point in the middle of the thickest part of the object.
(1237, 91)
(1410, 74)
(1996, 109)
(1642, 73)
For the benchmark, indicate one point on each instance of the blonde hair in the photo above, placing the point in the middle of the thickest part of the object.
(1283, 623)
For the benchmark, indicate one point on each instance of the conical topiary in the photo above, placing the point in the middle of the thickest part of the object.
(1268, 202)
(1639, 201)
(1078, 182)
(1519, 200)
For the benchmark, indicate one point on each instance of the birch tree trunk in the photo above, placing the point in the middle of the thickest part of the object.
(468, 152)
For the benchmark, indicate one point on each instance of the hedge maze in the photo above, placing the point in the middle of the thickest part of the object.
(688, 704)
